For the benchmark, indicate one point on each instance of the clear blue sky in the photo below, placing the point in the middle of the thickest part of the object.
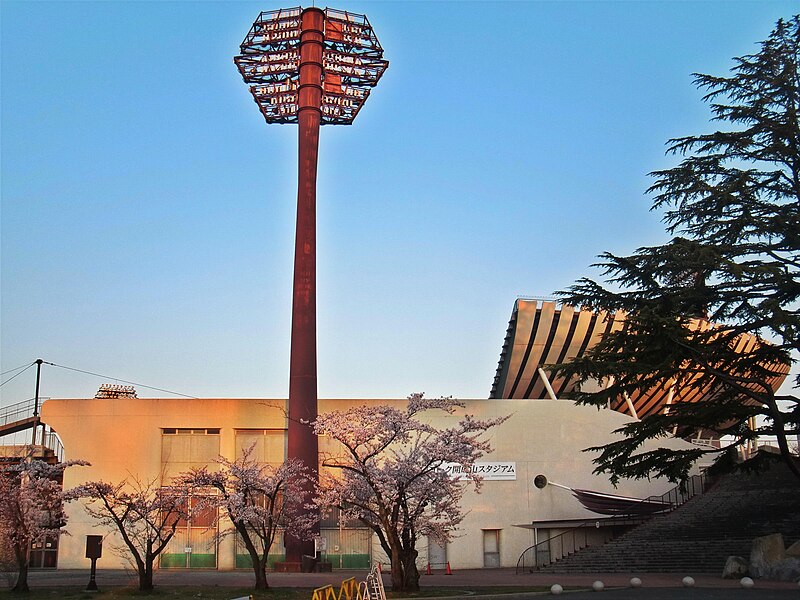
(148, 210)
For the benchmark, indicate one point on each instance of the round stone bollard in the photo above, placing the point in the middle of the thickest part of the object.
(636, 582)
(746, 582)
(556, 589)
(688, 581)
(598, 586)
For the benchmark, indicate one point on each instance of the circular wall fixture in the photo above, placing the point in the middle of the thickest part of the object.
(540, 481)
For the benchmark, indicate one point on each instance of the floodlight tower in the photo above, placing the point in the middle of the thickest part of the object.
(311, 67)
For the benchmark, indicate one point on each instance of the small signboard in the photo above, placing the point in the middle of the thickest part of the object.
(94, 546)
(487, 471)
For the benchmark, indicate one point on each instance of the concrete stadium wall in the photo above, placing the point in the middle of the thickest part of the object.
(122, 439)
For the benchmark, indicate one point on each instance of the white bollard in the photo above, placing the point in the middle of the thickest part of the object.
(746, 582)
(556, 589)
(688, 582)
(598, 586)
(636, 582)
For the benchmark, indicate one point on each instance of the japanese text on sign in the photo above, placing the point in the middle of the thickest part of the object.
(487, 471)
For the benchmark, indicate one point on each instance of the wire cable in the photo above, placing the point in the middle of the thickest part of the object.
(17, 375)
(18, 368)
(149, 387)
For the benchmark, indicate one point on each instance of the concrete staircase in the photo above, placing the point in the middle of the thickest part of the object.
(700, 535)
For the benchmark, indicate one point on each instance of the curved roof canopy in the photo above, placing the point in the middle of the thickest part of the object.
(541, 333)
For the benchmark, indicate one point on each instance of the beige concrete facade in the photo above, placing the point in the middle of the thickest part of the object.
(127, 437)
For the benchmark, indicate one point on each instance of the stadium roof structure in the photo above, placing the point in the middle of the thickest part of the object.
(540, 333)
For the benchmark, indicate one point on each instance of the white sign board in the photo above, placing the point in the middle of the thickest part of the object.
(487, 471)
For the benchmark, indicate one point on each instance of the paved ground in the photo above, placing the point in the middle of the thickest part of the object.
(655, 586)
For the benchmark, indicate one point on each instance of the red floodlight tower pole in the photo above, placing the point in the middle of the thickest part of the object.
(310, 67)
(303, 361)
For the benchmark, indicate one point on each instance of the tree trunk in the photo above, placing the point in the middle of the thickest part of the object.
(146, 575)
(259, 562)
(22, 580)
(410, 571)
(397, 571)
(260, 569)
(780, 433)
(405, 575)
(22, 566)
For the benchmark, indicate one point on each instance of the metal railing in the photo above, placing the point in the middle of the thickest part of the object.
(52, 442)
(576, 538)
(19, 445)
(18, 412)
(45, 438)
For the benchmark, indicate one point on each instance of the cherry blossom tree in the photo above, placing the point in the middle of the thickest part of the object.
(259, 499)
(31, 509)
(389, 474)
(145, 515)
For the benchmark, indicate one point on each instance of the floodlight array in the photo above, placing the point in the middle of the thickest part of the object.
(109, 391)
(270, 63)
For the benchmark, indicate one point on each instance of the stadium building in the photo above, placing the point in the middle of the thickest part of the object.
(538, 482)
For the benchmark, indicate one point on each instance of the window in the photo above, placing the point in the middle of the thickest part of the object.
(269, 445)
(183, 449)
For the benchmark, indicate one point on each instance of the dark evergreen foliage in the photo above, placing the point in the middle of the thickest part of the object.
(733, 205)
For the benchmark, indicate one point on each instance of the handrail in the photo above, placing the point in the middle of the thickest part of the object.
(672, 499)
(16, 412)
(52, 441)
(536, 550)
(19, 411)
(46, 440)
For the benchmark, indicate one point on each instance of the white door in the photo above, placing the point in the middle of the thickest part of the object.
(437, 554)
(491, 548)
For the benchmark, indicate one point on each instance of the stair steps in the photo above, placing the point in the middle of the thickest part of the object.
(698, 536)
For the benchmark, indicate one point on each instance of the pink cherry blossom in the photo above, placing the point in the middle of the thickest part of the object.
(260, 500)
(31, 509)
(389, 476)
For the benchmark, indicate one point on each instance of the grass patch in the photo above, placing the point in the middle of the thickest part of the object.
(466, 592)
(227, 593)
(161, 593)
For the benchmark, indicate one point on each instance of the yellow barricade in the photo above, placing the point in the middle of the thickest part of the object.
(324, 593)
(349, 590)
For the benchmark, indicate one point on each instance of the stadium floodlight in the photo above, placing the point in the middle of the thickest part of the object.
(326, 61)
(311, 67)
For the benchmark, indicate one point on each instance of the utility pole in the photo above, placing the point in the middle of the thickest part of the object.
(39, 362)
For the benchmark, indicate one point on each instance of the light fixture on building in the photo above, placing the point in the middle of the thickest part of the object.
(108, 390)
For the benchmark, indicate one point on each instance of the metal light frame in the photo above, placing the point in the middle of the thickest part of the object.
(352, 64)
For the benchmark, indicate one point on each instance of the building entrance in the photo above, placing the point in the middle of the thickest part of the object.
(194, 545)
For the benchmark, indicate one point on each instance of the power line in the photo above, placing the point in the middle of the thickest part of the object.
(149, 387)
(17, 375)
(17, 369)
